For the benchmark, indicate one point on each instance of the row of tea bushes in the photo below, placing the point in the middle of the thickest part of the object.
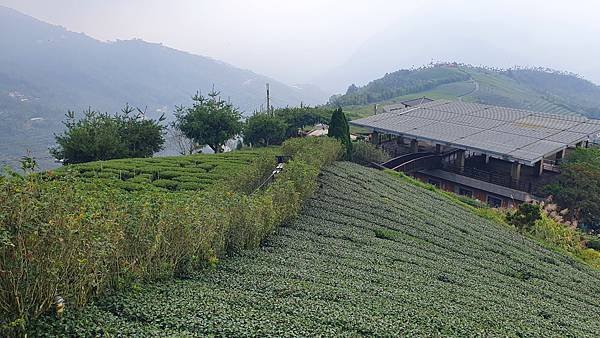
(78, 238)
(369, 255)
(179, 173)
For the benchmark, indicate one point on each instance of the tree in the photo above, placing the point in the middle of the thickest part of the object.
(525, 216)
(101, 136)
(578, 187)
(264, 130)
(210, 121)
(297, 118)
(339, 128)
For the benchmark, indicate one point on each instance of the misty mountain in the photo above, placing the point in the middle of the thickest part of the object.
(477, 38)
(46, 70)
(536, 89)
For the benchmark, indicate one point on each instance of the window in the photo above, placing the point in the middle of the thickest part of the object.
(494, 202)
(435, 183)
(465, 192)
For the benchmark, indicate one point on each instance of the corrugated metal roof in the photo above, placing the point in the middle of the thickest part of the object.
(514, 134)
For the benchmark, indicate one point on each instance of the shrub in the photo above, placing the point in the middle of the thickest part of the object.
(525, 216)
(79, 238)
(167, 184)
(365, 153)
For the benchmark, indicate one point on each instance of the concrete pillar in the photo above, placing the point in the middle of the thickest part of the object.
(487, 159)
(515, 172)
(539, 167)
(438, 148)
(375, 138)
(460, 160)
(414, 146)
(560, 155)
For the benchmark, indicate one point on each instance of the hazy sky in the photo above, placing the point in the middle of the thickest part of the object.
(299, 41)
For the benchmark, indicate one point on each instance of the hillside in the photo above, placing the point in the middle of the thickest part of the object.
(46, 70)
(369, 255)
(533, 89)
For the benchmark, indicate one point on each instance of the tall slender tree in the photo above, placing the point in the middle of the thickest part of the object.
(339, 128)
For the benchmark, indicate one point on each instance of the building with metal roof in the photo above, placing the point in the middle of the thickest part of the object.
(508, 147)
(511, 134)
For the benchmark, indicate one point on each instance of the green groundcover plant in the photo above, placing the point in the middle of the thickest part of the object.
(65, 235)
(370, 254)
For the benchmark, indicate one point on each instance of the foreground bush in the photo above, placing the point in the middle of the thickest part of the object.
(76, 239)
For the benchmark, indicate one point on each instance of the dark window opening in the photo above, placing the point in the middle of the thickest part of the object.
(494, 202)
(435, 183)
(465, 192)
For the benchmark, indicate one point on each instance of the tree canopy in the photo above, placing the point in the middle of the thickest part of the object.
(209, 121)
(101, 136)
(339, 128)
(297, 118)
(264, 130)
(579, 186)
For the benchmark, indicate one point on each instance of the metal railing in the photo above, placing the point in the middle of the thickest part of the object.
(421, 163)
(395, 162)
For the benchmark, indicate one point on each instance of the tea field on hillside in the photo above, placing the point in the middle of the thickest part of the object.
(369, 255)
(177, 173)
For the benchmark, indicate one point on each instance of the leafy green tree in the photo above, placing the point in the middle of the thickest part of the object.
(264, 130)
(297, 118)
(578, 187)
(209, 121)
(101, 136)
(339, 128)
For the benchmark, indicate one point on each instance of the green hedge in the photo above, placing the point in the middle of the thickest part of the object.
(77, 238)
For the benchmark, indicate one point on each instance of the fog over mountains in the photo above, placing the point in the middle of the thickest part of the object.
(46, 70)
(462, 34)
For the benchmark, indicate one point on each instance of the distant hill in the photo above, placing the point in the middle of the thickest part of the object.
(535, 89)
(46, 70)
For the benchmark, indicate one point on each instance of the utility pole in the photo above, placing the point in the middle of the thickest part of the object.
(268, 101)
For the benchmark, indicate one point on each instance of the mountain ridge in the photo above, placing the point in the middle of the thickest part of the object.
(538, 89)
(46, 70)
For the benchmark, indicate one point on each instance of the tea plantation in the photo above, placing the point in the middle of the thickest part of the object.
(369, 255)
(177, 173)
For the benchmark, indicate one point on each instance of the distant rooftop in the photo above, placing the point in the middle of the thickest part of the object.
(512, 134)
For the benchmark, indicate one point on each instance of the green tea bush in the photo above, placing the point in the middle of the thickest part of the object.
(369, 255)
(77, 238)
(167, 184)
(209, 168)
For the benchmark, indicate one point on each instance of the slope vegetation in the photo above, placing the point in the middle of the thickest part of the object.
(369, 255)
(534, 89)
(192, 172)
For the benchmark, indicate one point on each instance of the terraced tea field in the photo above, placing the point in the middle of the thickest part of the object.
(193, 172)
(369, 255)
